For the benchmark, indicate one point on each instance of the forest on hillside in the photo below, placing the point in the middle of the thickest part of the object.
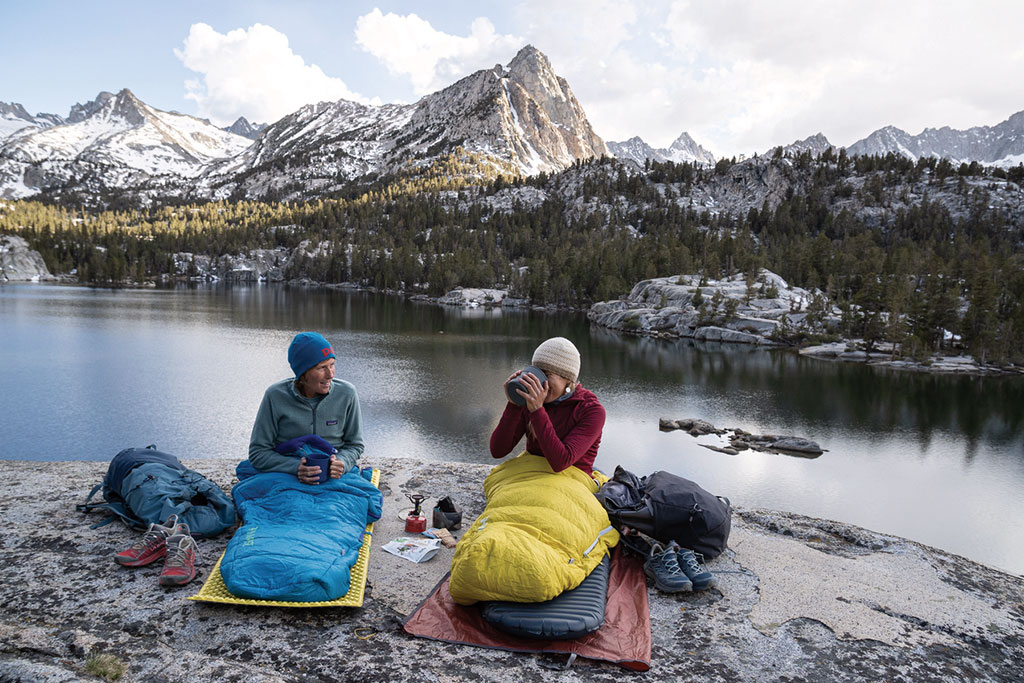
(921, 274)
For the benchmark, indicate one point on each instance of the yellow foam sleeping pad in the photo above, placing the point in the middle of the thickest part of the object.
(541, 534)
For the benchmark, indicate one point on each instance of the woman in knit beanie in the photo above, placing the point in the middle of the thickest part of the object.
(562, 421)
(313, 410)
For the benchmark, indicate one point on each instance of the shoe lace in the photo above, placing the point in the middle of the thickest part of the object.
(690, 558)
(152, 537)
(156, 533)
(178, 554)
(670, 564)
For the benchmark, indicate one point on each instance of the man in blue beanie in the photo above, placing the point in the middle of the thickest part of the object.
(313, 403)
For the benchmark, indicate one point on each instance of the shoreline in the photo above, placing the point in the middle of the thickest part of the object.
(840, 351)
(797, 598)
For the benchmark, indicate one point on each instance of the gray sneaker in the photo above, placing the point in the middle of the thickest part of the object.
(663, 567)
(698, 574)
(180, 565)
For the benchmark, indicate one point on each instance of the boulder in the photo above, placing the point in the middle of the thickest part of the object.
(691, 425)
(722, 334)
(473, 297)
(797, 445)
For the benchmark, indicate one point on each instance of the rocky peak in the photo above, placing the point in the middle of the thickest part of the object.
(1016, 121)
(247, 130)
(124, 105)
(129, 107)
(531, 60)
(523, 113)
(815, 144)
(14, 110)
(1002, 144)
(531, 69)
(15, 119)
(683, 150)
(634, 149)
(80, 112)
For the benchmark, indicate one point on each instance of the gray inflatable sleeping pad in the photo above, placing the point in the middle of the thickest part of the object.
(572, 614)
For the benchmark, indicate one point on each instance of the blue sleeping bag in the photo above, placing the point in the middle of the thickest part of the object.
(298, 541)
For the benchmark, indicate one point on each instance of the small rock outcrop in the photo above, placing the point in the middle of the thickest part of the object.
(740, 440)
(770, 443)
(851, 351)
(734, 310)
(18, 263)
(691, 425)
(472, 297)
(257, 265)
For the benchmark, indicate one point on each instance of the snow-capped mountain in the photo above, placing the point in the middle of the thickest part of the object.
(999, 145)
(683, 151)
(13, 118)
(523, 114)
(114, 141)
(522, 117)
(319, 148)
(242, 127)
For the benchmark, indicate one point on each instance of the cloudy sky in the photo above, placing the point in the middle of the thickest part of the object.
(739, 75)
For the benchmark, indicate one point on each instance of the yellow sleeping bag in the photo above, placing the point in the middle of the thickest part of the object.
(541, 534)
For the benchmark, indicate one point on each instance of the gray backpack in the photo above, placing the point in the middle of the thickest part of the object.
(145, 486)
(667, 508)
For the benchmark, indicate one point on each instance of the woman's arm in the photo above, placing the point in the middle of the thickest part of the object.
(564, 453)
(509, 431)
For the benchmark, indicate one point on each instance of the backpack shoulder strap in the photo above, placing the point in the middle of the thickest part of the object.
(115, 510)
(87, 506)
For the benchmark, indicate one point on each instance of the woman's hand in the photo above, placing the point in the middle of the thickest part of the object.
(337, 468)
(308, 474)
(504, 387)
(535, 392)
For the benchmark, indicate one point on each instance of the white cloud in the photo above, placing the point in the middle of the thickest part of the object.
(742, 76)
(411, 47)
(253, 73)
(787, 69)
(580, 35)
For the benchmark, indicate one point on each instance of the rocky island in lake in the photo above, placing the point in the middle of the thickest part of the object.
(762, 310)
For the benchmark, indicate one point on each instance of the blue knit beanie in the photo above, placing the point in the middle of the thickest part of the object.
(308, 349)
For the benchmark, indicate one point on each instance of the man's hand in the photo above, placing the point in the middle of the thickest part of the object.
(308, 474)
(337, 468)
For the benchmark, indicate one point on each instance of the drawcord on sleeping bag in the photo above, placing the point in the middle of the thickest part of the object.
(601, 533)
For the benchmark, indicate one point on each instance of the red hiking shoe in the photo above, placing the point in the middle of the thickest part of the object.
(180, 565)
(150, 548)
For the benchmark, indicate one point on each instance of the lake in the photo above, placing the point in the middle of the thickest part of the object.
(938, 459)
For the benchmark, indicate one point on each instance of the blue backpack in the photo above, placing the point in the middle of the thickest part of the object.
(144, 486)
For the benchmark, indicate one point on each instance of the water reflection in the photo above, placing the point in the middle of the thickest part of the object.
(807, 391)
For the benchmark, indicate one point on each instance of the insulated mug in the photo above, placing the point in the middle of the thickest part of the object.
(510, 388)
(321, 459)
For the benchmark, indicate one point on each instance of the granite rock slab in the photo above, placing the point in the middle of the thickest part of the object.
(797, 599)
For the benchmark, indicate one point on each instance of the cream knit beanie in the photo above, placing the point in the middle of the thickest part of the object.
(560, 356)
